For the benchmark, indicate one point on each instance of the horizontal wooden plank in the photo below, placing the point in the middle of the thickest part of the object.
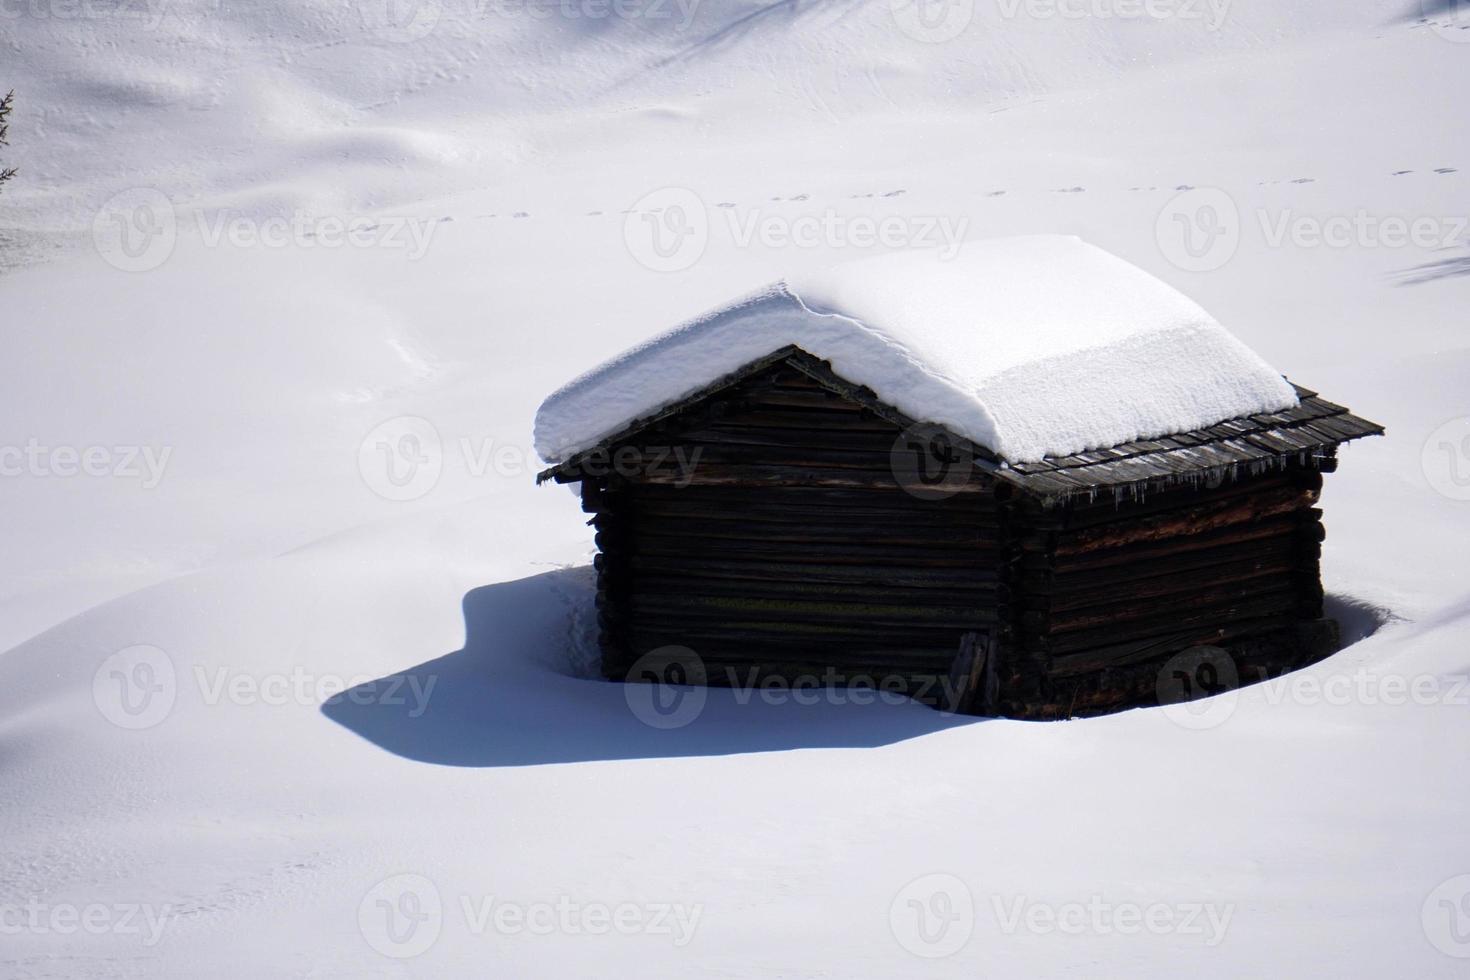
(1102, 657)
(895, 535)
(1190, 521)
(803, 610)
(806, 569)
(1108, 594)
(1287, 525)
(695, 584)
(1281, 602)
(1219, 599)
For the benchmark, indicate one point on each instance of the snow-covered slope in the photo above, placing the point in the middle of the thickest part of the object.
(310, 466)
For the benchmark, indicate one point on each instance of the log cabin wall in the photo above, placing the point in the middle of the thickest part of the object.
(789, 551)
(1107, 592)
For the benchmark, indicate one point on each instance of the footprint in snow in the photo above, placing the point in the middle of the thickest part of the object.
(725, 204)
(895, 193)
(1070, 190)
(521, 214)
(800, 197)
(1182, 187)
(995, 194)
(1445, 170)
(1304, 180)
(1400, 173)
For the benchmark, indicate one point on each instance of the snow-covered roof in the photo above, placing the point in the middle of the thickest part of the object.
(1034, 346)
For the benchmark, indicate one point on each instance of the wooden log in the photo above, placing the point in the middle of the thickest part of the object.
(1190, 521)
(1081, 514)
(1206, 621)
(1278, 549)
(973, 685)
(1214, 599)
(972, 595)
(897, 534)
(808, 570)
(1280, 526)
(975, 555)
(782, 417)
(1166, 644)
(802, 610)
(1160, 588)
(713, 475)
(775, 507)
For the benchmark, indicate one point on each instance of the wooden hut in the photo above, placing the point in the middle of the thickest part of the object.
(783, 523)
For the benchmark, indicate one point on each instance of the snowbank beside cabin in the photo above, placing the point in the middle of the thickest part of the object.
(1034, 346)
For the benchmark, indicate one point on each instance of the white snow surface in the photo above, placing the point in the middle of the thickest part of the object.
(1032, 346)
(265, 823)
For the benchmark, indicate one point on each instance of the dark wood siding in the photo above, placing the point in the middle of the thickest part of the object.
(790, 548)
(1107, 592)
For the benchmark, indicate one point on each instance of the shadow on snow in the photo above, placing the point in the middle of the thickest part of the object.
(510, 698)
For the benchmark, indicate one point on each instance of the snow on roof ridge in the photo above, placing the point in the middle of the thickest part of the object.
(1040, 345)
